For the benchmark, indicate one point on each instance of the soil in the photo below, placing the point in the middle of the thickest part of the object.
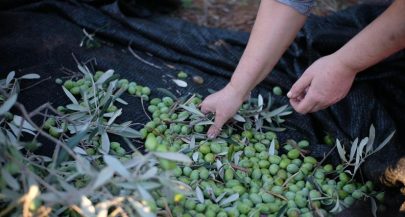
(240, 14)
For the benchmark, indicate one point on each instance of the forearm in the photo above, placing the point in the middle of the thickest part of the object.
(275, 28)
(383, 37)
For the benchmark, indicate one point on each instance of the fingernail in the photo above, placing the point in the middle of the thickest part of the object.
(289, 94)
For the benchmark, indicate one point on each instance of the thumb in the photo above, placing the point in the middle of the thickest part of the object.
(300, 85)
(216, 128)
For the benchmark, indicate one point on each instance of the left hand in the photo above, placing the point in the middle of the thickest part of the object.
(324, 83)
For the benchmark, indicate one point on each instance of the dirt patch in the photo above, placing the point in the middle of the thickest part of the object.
(240, 14)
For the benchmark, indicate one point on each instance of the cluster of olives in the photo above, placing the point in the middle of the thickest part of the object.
(267, 182)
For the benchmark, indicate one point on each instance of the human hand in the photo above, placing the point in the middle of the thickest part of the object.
(324, 83)
(224, 104)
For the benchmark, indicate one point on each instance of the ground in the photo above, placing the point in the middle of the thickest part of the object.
(240, 14)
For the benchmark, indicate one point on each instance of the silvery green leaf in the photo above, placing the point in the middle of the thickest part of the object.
(126, 132)
(220, 168)
(199, 194)
(180, 83)
(229, 199)
(10, 77)
(8, 104)
(371, 136)
(260, 102)
(192, 109)
(236, 157)
(359, 154)
(87, 207)
(272, 147)
(167, 93)
(13, 140)
(105, 143)
(121, 101)
(149, 173)
(173, 156)
(353, 149)
(220, 197)
(239, 118)
(76, 107)
(106, 75)
(103, 177)
(115, 116)
(70, 96)
(285, 113)
(17, 120)
(195, 156)
(277, 111)
(66, 186)
(207, 122)
(116, 165)
(192, 142)
(83, 69)
(341, 150)
(386, 140)
(82, 165)
(337, 208)
(16, 130)
(30, 76)
(28, 131)
(144, 194)
(10, 180)
(141, 209)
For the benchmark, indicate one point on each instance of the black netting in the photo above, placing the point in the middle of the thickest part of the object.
(40, 37)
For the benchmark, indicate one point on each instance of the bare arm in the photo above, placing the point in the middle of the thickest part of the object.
(275, 28)
(329, 79)
(383, 37)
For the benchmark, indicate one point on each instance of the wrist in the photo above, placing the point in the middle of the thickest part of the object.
(347, 63)
(239, 92)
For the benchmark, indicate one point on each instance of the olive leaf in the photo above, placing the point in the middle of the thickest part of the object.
(8, 104)
(199, 194)
(70, 96)
(10, 180)
(116, 165)
(30, 76)
(173, 156)
(10, 77)
(229, 199)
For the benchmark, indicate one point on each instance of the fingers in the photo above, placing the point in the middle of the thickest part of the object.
(300, 86)
(205, 108)
(216, 128)
(307, 104)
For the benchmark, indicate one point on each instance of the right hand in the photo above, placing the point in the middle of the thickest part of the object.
(224, 104)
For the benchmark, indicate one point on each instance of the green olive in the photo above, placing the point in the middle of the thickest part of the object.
(277, 91)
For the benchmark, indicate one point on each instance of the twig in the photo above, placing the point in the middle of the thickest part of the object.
(236, 167)
(143, 108)
(140, 58)
(43, 133)
(36, 83)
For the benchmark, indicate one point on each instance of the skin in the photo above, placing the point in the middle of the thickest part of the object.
(325, 82)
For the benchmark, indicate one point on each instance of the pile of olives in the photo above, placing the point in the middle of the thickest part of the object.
(264, 176)
(267, 183)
